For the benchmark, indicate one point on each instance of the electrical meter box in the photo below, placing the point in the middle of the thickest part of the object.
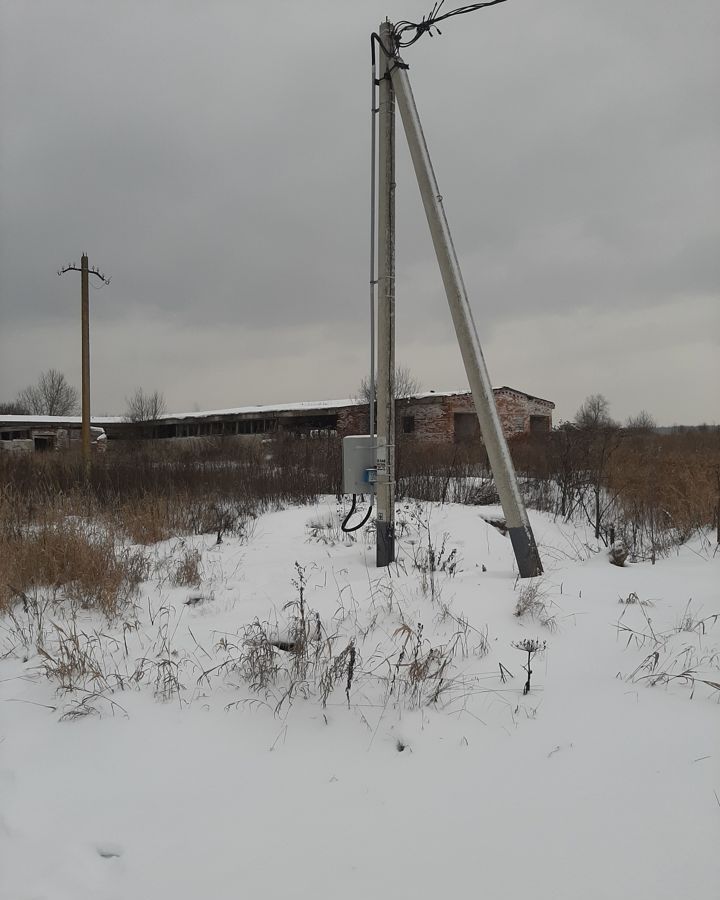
(359, 466)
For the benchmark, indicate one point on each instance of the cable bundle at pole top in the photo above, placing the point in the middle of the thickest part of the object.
(407, 33)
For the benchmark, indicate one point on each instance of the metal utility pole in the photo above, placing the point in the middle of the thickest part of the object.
(521, 535)
(385, 553)
(85, 273)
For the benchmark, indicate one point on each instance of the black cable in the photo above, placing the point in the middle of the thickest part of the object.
(347, 518)
(418, 29)
(375, 39)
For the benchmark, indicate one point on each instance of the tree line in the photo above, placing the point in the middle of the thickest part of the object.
(53, 395)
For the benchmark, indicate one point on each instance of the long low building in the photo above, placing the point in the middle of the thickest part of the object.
(431, 417)
(39, 433)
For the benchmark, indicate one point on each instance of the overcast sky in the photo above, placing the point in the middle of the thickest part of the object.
(213, 158)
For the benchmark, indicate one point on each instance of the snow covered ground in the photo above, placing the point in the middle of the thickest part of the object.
(598, 783)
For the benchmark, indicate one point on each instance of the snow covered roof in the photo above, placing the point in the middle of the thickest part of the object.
(269, 408)
(259, 410)
(57, 420)
(309, 406)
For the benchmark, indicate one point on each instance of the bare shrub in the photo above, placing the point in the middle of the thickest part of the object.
(186, 570)
(299, 630)
(430, 557)
(445, 473)
(338, 669)
(531, 601)
(641, 422)
(213, 516)
(418, 671)
(649, 490)
(259, 661)
(167, 679)
(431, 560)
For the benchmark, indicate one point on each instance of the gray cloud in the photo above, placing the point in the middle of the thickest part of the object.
(213, 158)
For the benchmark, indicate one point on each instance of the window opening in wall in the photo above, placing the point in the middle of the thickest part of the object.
(45, 442)
(408, 423)
(539, 424)
(14, 435)
(467, 427)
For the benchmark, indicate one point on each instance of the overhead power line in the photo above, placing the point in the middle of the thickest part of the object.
(415, 30)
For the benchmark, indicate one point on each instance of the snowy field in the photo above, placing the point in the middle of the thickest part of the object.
(390, 754)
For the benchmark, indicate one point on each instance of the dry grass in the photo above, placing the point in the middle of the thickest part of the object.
(186, 570)
(60, 531)
(656, 490)
(666, 487)
(86, 569)
(531, 601)
(155, 492)
(685, 654)
(146, 520)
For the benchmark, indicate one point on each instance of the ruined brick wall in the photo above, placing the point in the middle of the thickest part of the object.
(537, 407)
(513, 411)
(432, 422)
(436, 422)
(434, 417)
(353, 420)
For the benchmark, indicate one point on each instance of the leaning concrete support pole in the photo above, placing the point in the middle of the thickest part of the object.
(523, 540)
(385, 553)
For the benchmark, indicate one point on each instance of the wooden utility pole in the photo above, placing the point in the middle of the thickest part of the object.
(85, 272)
(85, 327)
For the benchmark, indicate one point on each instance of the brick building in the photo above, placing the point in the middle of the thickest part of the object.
(443, 418)
(431, 417)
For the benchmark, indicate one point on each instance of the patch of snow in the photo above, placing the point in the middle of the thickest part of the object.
(594, 785)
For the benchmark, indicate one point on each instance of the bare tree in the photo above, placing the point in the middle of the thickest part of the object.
(593, 413)
(643, 422)
(405, 385)
(600, 438)
(51, 396)
(142, 407)
(13, 408)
